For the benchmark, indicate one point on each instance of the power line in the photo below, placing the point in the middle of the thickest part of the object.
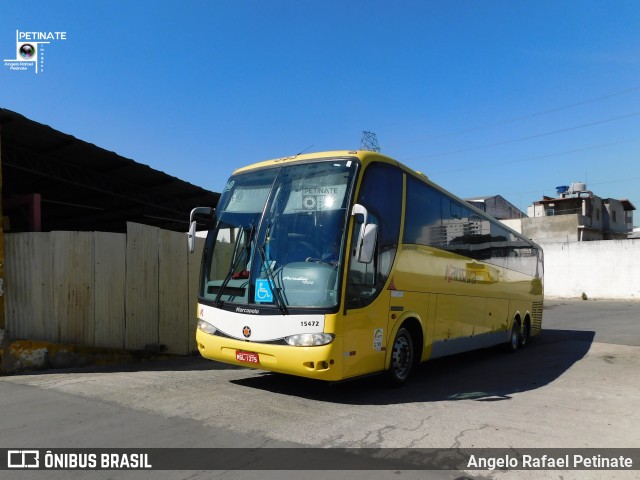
(480, 165)
(522, 139)
(616, 181)
(538, 190)
(511, 120)
(532, 115)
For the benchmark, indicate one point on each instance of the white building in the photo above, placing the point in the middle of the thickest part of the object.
(578, 215)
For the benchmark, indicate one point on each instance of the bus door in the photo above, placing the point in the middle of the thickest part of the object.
(379, 209)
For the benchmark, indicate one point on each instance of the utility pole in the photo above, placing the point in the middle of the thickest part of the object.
(369, 142)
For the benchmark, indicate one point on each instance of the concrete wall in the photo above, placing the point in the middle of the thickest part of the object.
(514, 224)
(561, 228)
(600, 269)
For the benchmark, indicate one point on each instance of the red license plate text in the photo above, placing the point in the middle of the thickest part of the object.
(248, 357)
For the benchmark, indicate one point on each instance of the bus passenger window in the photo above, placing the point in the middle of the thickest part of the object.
(422, 224)
(455, 225)
(381, 194)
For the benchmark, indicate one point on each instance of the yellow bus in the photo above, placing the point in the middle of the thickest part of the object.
(341, 264)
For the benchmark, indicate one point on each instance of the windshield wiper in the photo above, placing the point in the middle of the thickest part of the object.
(277, 294)
(217, 301)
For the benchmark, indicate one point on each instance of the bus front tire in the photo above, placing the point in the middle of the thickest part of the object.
(402, 358)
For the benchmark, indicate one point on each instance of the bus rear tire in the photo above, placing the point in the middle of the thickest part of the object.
(402, 358)
(514, 337)
(525, 334)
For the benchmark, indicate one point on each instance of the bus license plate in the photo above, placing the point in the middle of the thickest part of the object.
(248, 357)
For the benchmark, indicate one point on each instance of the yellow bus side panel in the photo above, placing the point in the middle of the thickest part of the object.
(365, 334)
(405, 306)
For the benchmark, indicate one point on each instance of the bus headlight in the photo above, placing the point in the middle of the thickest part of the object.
(309, 339)
(206, 327)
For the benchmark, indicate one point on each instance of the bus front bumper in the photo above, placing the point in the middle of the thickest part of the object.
(319, 362)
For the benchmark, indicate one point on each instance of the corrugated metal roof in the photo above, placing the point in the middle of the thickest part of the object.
(85, 187)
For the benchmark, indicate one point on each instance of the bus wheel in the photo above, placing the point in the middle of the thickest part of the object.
(525, 334)
(514, 336)
(402, 358)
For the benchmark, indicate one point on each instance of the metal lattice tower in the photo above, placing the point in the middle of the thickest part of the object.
(369, 142)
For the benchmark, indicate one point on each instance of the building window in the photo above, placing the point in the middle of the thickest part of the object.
(613, 216)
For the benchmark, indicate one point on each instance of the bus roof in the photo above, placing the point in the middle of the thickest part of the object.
(362, 155)
(367, 156)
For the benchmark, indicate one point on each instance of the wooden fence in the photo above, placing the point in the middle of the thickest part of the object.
(115, 290)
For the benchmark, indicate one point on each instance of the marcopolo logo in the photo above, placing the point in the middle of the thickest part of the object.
(30, 50)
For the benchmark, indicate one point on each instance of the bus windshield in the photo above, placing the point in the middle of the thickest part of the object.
(279, 237)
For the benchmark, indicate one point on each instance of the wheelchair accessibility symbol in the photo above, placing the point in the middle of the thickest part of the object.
(263, 291)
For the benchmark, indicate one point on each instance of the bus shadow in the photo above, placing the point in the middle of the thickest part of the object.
(487, 375)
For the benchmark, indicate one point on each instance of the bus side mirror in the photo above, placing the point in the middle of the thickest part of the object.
(368, 233)
(191, 235)
(360, 213)
(368, 243)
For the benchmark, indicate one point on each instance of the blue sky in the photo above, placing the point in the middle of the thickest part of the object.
(485, 97)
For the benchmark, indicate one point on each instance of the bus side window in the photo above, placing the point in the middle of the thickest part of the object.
(381, 194)
(500, 246)
(423, 219)
(455, 219)
(479, 237)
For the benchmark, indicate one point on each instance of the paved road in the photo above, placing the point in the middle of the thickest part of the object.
(576, 385)
(611, 321)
